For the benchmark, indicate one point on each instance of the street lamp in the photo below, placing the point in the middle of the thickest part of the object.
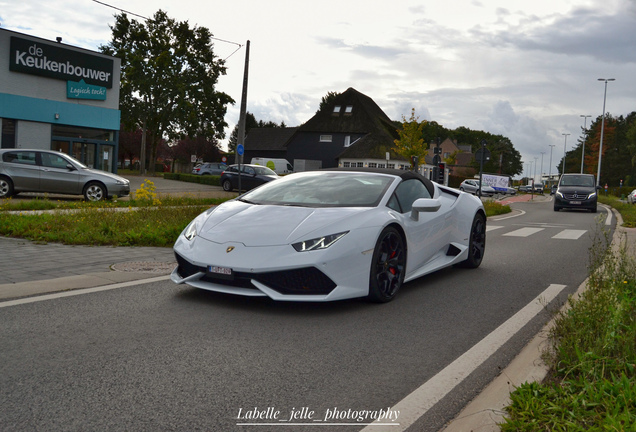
(584, 138)
(550, 168)
(600, 149)
(564, 150)
(541, 173)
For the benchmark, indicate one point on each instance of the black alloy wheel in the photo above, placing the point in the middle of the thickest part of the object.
(476, 243)
(387, 266)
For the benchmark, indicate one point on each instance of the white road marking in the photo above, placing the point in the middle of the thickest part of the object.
(524, 232)
(80, 291)
(570, 234)
(492, 227)
(608, 219)
(416, 404)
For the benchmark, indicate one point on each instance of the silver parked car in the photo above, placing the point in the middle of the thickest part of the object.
(631, 198)
(48, 171)
(209, 168)
(471, 186)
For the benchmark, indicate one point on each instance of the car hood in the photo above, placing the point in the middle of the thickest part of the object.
(94, 172)
(270, 225)
(580, 189)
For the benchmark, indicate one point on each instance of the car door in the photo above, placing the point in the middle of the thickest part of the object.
(428, 236)
(248, 178)
(22, 168)
(56, 177)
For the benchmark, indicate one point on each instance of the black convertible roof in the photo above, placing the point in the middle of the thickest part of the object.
(404, 175)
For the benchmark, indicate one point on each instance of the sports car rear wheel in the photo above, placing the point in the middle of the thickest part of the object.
(476, 243)
(387, 267)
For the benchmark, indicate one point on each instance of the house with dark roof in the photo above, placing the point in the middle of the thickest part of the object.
(463, 157)
(350, 131)
(268, 142)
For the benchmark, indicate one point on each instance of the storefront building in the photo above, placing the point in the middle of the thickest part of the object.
(59, 97)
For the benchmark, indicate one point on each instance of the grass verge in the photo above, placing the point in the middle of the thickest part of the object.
(142, 226)
(591, 356)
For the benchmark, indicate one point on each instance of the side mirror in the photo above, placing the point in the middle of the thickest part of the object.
(424, 205)
(70, 167)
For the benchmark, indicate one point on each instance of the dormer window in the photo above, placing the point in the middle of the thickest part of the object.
(348, 109)
(336, 109)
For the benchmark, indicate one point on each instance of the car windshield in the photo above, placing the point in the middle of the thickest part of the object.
(323, 189)
(577, 180)
(76, 162)
(260, 170)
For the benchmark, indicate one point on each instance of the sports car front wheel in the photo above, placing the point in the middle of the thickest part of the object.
(387, 266)
(476, 242)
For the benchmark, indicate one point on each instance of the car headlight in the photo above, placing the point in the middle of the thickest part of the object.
(191, 231)
(559, 194)
(318, 243)
(592, 195)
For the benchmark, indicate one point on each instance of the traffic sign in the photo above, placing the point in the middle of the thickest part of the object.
(483, 151)
(240, 149)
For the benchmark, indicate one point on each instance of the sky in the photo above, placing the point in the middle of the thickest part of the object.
(524, 69)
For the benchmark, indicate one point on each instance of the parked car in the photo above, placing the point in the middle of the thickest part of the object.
(48, 171)
(538, 188)
(525, 188)
(329, 235)
(251, 177)
(471, 186)
(209, 168)
(576, 191)
(631, 198)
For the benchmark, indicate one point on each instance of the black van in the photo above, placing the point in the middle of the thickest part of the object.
(576, 191)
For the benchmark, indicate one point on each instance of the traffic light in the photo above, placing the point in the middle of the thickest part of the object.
(441, 169)
(414, 161)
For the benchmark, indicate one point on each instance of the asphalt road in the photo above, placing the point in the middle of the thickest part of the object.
(164, 357)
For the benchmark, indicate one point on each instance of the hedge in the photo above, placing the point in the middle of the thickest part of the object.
(211, 180)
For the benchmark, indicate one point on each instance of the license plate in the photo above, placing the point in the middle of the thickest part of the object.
(575, 202)
(223, 272)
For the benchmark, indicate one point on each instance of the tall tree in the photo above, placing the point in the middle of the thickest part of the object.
(411, 142)
(168, 76)
(327, 99)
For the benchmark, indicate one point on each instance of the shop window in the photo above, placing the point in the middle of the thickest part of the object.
(8, 133)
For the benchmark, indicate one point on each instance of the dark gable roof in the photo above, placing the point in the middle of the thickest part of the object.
(366, 117)
(269, 138)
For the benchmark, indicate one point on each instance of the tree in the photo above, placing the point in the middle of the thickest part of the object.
(327, 99)
(411, 142)
(168, 77)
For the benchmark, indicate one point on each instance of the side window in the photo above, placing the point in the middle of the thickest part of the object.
(393, 204)
(407, 192)
(53, 161)
(20, 157)
(248, 170)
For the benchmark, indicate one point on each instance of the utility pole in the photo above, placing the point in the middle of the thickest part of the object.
(241, 130)
(243, 112)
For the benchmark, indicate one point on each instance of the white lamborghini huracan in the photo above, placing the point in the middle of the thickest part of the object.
(331, 235)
